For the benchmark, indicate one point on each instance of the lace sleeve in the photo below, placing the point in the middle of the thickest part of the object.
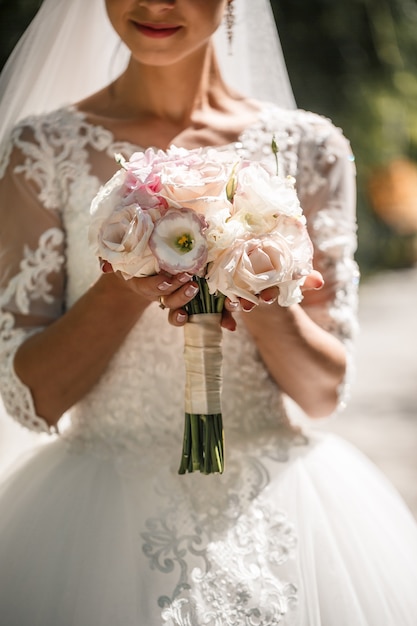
(31, 260)
(328, 195)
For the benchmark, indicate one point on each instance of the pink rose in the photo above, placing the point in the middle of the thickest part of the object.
(183, 178)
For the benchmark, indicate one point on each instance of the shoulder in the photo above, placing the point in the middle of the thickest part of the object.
(37, 133)
(305, 130)
(39, 152)
(298, 134)
(58, 126)
(58, 122)
(59, 136)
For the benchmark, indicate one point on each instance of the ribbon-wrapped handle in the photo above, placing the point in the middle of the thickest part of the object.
(203, 445)
(203, 364)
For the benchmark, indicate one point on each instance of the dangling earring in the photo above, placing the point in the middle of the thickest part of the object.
(230, 21)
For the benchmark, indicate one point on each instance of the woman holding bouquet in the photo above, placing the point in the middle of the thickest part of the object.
(97, 527)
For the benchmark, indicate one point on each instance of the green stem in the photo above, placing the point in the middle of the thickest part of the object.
(203, 444)
(195, 442)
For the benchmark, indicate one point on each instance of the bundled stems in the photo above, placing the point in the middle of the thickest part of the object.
(204, 301)
(203, 445)
(203, 442)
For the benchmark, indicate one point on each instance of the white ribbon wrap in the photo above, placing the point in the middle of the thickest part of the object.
(203, 364)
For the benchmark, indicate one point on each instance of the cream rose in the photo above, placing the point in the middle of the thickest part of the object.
(104, 203)
(279, 259)
(198, 181)
(182, 178)
(123, 241)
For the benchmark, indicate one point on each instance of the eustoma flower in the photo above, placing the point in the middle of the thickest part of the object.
(233, 224)
(178, 242)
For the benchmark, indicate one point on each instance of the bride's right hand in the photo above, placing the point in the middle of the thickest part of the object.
(172, 292)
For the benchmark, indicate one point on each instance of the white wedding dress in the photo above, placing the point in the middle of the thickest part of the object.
(96, 526)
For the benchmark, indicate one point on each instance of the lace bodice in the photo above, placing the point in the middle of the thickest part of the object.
(51, 170)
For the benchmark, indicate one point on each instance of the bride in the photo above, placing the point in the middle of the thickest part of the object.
(97, 528)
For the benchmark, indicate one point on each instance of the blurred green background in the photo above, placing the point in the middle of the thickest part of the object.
(354, 62)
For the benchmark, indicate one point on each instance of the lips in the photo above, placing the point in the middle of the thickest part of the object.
(156, 31)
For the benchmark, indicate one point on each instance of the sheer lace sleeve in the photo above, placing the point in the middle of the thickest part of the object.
(319, 157)
(327, 192)
(31, 259)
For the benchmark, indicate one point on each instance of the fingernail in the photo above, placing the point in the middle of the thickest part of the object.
(233, 305)
(249, 308)
(105, 267)
(164, 286)
(181, 317)
(270, 301)
(191, 291)
(184, 278)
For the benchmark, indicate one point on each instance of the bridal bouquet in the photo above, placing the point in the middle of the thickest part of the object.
(233, 224)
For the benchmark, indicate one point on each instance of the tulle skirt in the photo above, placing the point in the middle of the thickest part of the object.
(15, 439)
(321, 539)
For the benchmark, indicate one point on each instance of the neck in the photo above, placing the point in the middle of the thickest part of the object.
(172, 92)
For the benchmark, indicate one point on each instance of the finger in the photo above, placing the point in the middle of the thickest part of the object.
(105, 266)
(313, 281)
(167, 284)
(177, 317)
(270, 295)
(181, 296)
(228, 321)
(246, 305)
(162, 284)
(231, 305)
(182, 278)
(321, 296)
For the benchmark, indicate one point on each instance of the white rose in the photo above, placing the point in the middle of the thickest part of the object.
(223, 232)
(260, 197)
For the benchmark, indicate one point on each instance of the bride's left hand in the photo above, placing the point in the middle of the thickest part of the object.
(313, 283)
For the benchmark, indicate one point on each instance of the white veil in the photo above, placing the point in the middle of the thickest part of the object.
(70, 51)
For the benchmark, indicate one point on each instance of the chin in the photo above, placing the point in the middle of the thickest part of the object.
(162, 58)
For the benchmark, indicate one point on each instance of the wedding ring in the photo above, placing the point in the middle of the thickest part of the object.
(161, 303)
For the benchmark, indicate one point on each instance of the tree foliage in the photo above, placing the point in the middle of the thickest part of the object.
(356, 63)
(15, 15)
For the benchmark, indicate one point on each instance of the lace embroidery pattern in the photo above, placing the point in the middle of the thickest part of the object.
(55, 157)
(36, 265)
(231, 558)
(310, 147)
(30, 284)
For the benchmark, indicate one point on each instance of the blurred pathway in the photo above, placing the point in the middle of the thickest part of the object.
(381, 418)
